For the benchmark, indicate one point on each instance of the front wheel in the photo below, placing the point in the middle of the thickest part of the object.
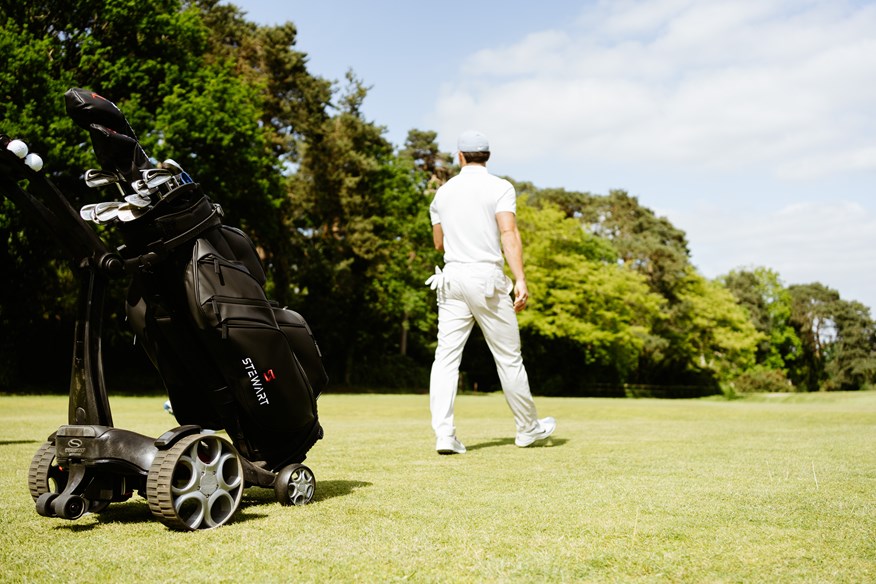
(295, 485)
(44, 474)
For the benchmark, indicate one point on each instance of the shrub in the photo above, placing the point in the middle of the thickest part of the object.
(763, 381)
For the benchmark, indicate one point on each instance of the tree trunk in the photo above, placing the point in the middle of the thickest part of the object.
(403, 341)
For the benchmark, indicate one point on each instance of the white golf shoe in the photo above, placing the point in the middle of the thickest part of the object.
(449, 445)
(544, 429)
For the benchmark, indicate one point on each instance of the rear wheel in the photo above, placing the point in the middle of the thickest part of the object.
(195, 484)
(295, 485)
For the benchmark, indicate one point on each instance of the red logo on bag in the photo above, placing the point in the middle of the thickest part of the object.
(269, 375)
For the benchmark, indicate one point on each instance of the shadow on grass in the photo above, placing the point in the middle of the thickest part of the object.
(14, 442)
(510, 441)
(137, 511)
(134, 511)
(324, 490)
(330, 489)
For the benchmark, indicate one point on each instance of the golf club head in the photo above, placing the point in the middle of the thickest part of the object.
(138, 200)
(141, 188)
(155, 177)
(95, 178)
(106, 212)
(172, 165)
(182, 177)
(161, 180)
(87, 211)
(152, 173)
(127, 213)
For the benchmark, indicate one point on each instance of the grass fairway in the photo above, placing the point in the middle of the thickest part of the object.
(769, 489)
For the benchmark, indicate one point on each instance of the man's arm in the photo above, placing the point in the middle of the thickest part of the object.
(512, 246)
(438, 237)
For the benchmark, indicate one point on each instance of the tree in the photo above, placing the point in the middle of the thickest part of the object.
(434, 167)
(648, 244)
(226, 98)
(762, 293)
(701, 336)
(359, 216)
(583, 301)
(852, 361)
(812, 308)
(251, 106)
(715, 335)
(123, 49)
(839, 347)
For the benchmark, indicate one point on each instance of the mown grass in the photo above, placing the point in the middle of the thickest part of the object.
(768, 489)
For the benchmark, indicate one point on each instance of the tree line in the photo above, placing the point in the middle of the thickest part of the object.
(340, 218)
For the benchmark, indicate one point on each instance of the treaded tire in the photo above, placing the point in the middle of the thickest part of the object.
(44, 475)
(195, 484)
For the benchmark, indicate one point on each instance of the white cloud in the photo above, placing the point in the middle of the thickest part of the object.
(778, 84)
(831, 243)
(678, 96)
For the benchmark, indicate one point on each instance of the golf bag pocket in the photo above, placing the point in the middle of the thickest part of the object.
(304, 346)
(241, 248)
(237, 325)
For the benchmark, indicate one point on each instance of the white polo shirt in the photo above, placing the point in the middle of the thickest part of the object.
(466, 208)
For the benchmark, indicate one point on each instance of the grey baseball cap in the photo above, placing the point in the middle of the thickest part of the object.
(472, 141)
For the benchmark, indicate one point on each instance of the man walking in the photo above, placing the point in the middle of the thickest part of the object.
(473, 221)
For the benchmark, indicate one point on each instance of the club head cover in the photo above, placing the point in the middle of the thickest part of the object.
(86, 108)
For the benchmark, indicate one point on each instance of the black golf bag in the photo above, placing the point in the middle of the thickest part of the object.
(228, 357)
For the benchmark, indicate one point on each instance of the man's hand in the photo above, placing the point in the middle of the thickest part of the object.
(436, 281)
(521, 295)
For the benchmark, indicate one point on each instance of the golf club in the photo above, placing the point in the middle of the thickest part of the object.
(138, 200)
(86, 212)
(95, 178)
(106, 212)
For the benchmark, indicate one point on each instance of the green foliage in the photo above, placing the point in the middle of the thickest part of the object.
(340, 218)
(362, 221)
(852, 363)
(695, 333)
(762, 380)
(648, 244)
(214, 121)
(838, 339)
(433, 166)
(768, 302)
(580, 293)
(714, 333)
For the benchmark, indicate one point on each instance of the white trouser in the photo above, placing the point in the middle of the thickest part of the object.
(469, 293)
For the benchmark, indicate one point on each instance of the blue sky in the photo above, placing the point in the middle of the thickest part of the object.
(749, 124)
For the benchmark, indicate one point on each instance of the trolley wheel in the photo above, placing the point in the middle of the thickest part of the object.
(195, 484)
(44, 475)
(69, 506)
(294, 485)
(44, 504)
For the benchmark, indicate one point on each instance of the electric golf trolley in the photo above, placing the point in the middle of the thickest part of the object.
(229, 358)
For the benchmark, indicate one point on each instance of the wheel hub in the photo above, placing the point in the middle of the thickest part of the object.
(209, 483)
